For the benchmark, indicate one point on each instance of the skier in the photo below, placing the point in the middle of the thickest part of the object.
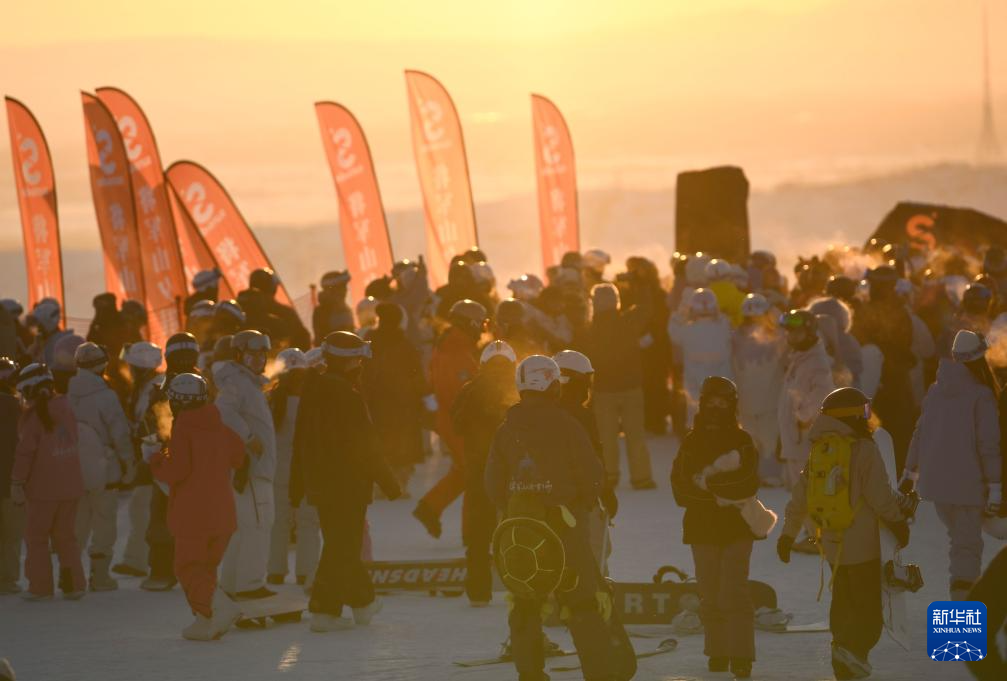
(542, 466)
(288, 323)
(412, 293)
(106, 450)
(46, 477)
(244, 408)
(577, 378)
(205, 286)
(613, 344)
(454, 362)
(758, 350)
(134, 318)
(142, 359)
(335, 468)
(17, 347)
(200, 320)
(197, 466)
(704, 336)
(332, 312)
(11, 516)
(478, 412)
(841, 438)
(284, 400)
(46, 316)
(720, 537)
(955, 455)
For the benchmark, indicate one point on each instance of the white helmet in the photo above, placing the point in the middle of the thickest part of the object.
(498, 348)
(143, 355)
(202, 309)
(46, 314)
(718, 269)
(291, 358)
(537, 373)
(367, 312)
(232, 308)
(250, 340)
(31, 376)
(703, 303)
(187, 389)
(695, 269)
(483, 274)
(314, 357)
(571, 361)
(90, 356)
(739, 275)
(527, 287)
(995, 527)
(597, 260)
(754, 305)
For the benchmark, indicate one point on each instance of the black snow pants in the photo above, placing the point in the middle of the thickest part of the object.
(855, 616)
(990, 591)
(479, 523)
(161, 543)
(341, 579)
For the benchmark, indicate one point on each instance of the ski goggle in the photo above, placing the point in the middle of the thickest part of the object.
(862, 411)
(791, 320)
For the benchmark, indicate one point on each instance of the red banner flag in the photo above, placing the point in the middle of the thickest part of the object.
(444, 173)
(112, 192)
(36, 198)
(557, 182)
(366, 245)
(164, 276)
(220, 225)
(195, 253)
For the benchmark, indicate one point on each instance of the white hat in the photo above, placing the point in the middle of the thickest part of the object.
(571, 361)
(537, 373)
(498, 348)
(695, 269)
(46, 313)
(143, 355)
(597, 260)
(90, 356)
(202, 309)
(32, 375)
(968, 346)
(754, 305)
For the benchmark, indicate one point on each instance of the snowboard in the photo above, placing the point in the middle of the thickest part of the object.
(284, 607)
(668, 645)
(893, 601)
(446, 576)
(814, 628)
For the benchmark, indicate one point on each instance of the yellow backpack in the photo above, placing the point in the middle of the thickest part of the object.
(828, 491)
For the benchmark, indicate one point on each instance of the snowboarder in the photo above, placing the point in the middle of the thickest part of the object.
(244, 408)
(197, 465)
(335, 467)
(46, 478)
(11, 516)
(478, 412)
(106, 450)
(332, 312)
(955, 458)
(720, 537)
(845, 491)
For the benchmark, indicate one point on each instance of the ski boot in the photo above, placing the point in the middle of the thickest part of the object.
(155, 583)
(323, 622)
(847, 665)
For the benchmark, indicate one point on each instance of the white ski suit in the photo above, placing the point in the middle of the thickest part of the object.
(808, 379)
(706, 351)
(759, 355)
(135, 554)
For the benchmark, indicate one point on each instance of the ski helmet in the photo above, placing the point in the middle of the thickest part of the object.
(142, 355)
(291, 358)
(335, 278)
(468, 314)
(977, 299)
(797, 319)
(882, 274)
(572, 362)
(33, 379)
(46, 314)
(842, 287)
(134, 310)
(483, 274)
(717, 269)
(232, 309)
(527, 287)
(250, 340)
(13, 307)
(187, 390)
(572, 260)
(202, 309)
(90, 356)
(754, 305)
(264, 280)
(205, 279)
(704, 303)
(104, 301)
(844, 403)
(968, 346)
(597, 260)
(510, 312)
(718, 386)
(537, 373)
(498, 348)
(343, 345)
(695, 269)
(762, 259)
(529, 556)
(473, 256)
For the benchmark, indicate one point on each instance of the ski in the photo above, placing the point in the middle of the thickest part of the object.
(668, 645)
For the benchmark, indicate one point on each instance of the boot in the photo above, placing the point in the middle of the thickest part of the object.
(960, 589)
(846, 664)
(100, 579)
(226, 613)
(153, 583)
(741, 668)
(322, 622)
(200, 630)
(66, 585)
(128, 570)
(363, 616)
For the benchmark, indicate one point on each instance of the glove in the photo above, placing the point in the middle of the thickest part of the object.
(993, 499)
(17, 496)
(149, 446)
(609, 501)
(783, 546)
(908, 482)
(604, 600)
(899, 528)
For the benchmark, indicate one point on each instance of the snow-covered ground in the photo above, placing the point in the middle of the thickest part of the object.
(131, 635)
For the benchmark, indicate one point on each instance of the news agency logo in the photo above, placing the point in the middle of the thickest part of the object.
(956, 631)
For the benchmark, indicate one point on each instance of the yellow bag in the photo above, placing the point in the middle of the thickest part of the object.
(828, 490)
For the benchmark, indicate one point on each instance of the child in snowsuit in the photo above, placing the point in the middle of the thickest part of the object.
(11, 516)
(47, 477)
(721, 539)
(197, 464)
(854, 554)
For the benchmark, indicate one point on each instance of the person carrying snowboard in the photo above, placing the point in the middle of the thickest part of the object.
(197, 465)
(844, 489)
(544, 476)
(721, 539)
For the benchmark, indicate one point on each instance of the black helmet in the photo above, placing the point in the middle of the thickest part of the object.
(841, 287)
(181, 350)
(977, 299)
(796, 319)
(510, 311)
(104, 301)
(572, 259)
(134, 309)
(335, 278)
(264, 280)
(343, 345)
(995, 260)
(843, 403)
(718, 386)
(473, 255)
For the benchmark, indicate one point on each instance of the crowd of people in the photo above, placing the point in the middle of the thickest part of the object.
(246, 429)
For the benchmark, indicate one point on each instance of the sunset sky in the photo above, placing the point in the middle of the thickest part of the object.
(792, 89)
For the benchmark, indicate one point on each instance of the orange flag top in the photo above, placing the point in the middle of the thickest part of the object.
(444, 173)
(164, 276)
(112, 192)
(366, 246)
(195, 253)
(36, 197)
(557, 182)
(220, 226)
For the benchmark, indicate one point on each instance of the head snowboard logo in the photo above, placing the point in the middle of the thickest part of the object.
(956, 631)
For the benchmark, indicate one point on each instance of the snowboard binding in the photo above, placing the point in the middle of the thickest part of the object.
(903, 577)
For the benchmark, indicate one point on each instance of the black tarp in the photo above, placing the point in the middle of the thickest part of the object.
(924, 226)
(711, 213)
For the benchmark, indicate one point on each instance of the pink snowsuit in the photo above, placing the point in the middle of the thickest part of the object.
(48, 465)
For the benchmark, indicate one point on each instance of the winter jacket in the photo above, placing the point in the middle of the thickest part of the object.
(244, 408)
(8, 335)
(197, 465)
(43, 349)
(479, 410)
(540, 446)
(330, 315)
(705, 521)
(806, 383)
(105, 444)
(291, 328)
(729, 300)
(453, 364)
(706, 351)
(871, 494)
(759, 359)
(10, 414)
(141, 421)
(285, 441)
(842, 346)
(47, 461)
(956, 446)
(612, 342)
(335, 455)
(886, 323)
